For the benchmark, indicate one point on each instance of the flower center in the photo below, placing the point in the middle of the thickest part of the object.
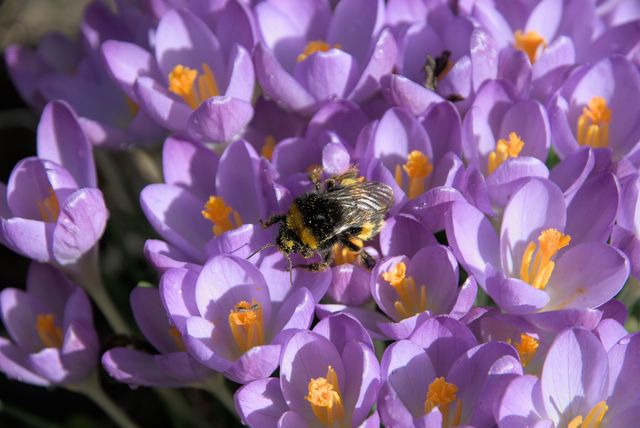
(216, 211)
(418, 167)
(412, 300)
(504, 150)
(177, 338)
(593, 418)
(245, 320)
(316, 46)
(49, 207)
(324, 398)
(537, 274)
(442, 394)
(593, 123)
(527, 348)
(193, 89)
(529, 43)
(343, 255)
(50, 334)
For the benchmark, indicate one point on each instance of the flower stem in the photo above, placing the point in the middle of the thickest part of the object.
(179, 409)
(91, 388)
(216, 387)
(26, 418)
(87, 274)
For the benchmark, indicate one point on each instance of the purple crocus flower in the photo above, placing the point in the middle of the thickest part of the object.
(432, 29)
(440, 378)
(205, 195)
(229, 317)
(309, 54)
(172, 367)
(329, 377)
(597, 107)
(531, 30)
(507, 139)
(526, 269)
(73, 71)
(191, 83)
(401, 153)
(581, 385)
(626, 233)
(51, 209)
(53, 341)
(55, 53)
(270, 125)
(532, 338)
(408, 290)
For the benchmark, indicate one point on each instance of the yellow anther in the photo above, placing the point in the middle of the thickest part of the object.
(413, 299)
(218, 212)
(268, 146)
(245, 321)
(593, 419)
(49, 207)
(504, 150)
(529, 43)
(442, 394)
(527, 348)
(177, 338)
(316, 46)
(193, 89)
(593, 124)
(418, 167)
(325, 400)
(550, 242)
(133, 107)
(50, 335)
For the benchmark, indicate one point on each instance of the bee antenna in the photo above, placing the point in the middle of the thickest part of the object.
(264, 247)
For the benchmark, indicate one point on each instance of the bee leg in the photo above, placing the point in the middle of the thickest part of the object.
(273, 220)
(366, 259)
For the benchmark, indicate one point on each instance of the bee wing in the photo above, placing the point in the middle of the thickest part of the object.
(361, 202)
(368, 197)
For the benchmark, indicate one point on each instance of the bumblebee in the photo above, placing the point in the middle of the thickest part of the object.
(343, 209)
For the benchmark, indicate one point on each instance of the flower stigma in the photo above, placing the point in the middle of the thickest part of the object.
(316, 46)
(49, 207)
(193, 89)
(245, 320)
(218, 212)
(504, 150)
(49, 333)
(412, 301)
(268, 146)
(593, 124)
(325, 400)
(526, 348)
(177, 338)
(418, 167)
(529, 43)
(442, 394)
(550, 242)
(593, 418)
